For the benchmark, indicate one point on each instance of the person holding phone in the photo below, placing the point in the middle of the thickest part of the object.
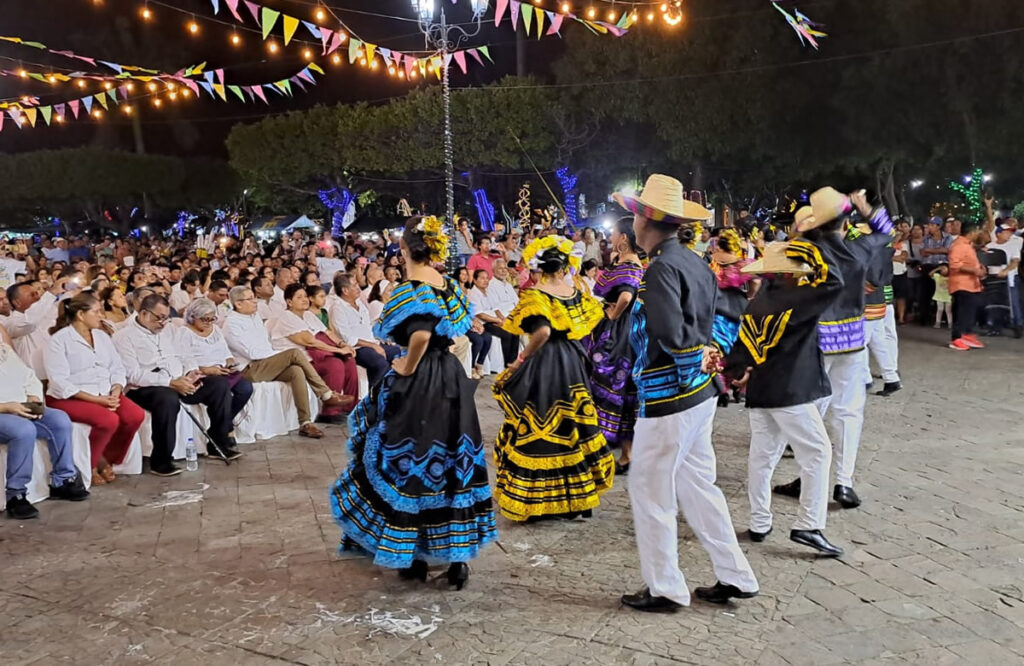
(23, 419)
(209, 350)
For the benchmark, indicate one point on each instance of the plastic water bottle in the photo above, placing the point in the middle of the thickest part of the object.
(191, 456)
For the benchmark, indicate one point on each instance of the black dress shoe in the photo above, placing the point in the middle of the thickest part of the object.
(723, 399)
(621, 469)
(721, 593)
(889, 389)
(644, 601)
(791, 489)
(458, 574)
(72, 489)
(418, 571)
(846, 497)
(816, 540)
(20, 508)
(758, 537)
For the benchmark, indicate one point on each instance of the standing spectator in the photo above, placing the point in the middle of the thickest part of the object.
(464, 241)
(86, 380)
(899, 271)
(935, 251)
(329, 264)
(965, 273)
(591, 248)
(483, 260)
(1011, 244)
(916, 275)
(939, 276)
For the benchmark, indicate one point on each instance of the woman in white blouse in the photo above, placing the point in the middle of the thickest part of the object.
(86, 380)
(208, 348)
(333, 360)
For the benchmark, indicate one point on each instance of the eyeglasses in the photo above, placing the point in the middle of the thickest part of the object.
(208, 320)
(159, 318)
(245, 300)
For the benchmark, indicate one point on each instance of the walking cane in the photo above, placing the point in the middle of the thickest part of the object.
(210, 444)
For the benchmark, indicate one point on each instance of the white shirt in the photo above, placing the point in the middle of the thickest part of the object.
(278, 298)
(72, 365)
(503, 295)
(19, 381)
(269, 310)
(247, 338)
(153, 360)
(353, 322)
(29, 332)
(375, 308)
(1012, 248)
(900, 267)
(489, 303)
(211, 350)
(223, 310)
(289, 324)
(326, 267)
(179, 298)
(8, 269)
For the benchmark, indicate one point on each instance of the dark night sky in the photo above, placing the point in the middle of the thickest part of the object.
(114, 30)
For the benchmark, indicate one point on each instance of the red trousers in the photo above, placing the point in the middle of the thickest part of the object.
(112, 432)
(338, 373)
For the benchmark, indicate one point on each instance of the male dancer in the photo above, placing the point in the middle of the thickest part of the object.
(879, 316)
(673, 464)
(841, 328)
(784, 373)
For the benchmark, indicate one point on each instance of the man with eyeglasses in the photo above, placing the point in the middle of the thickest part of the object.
(162, 376)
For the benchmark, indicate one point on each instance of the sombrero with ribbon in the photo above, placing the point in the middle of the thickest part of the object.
(662, 200)
(774, 260)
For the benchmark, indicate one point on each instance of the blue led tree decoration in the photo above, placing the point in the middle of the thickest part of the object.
(484, 209)
(568, 182)
(336, 200)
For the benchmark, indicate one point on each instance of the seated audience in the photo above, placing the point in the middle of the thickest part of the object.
(209, 350)
(351, 318)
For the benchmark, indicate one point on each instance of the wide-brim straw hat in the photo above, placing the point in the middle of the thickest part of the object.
(662, 200)
(827, 204)
(775, 260)
(803, 219)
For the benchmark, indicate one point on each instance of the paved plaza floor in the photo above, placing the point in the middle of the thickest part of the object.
(238, 565)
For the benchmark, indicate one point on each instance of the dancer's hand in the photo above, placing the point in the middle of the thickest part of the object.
(740, 383)
(401, 366)
(711, 360)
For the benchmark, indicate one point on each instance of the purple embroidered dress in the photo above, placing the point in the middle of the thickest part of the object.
(612, 384)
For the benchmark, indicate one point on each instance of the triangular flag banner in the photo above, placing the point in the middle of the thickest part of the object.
(291, 24)
(325, 37)
(254, 9)
(258, 91)
(208, 87)
(515, 14)
(297, 81)
(1, 121)
(238, 92)
(46, 112)
(112, 65)
(220, 75)
(315, 67)
(276, 87)
(219, 89)
(421, 63)
(476, 56)
(208, 76)
(59, 108)
(460, 60)
(385, 55)
(369, 48)
(410, 66)
(339, 37)
(112, 94)
(540, 23)
(556, 23)
(447, 60)
(248, 91)
(216, 6)
(487, 52)
(499, 12)
(269, 17)
(15, 116)
(313, 29)
(304, 74)
(102, 99)
(31, 115)
(233, 6)
(73, 105)
(124, 92)
(353, 50)
(527, 17)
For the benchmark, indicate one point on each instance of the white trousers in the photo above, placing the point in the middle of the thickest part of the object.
(673, 469)
(770, 429)
(883, 346)
(845, 409)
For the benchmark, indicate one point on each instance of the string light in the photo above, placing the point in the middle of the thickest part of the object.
(272, 47)
(81, 83)
(157, 102)
(130, 86)
(127, 108)
(341, 36)
(172, 96)
(373, 65)
(185, 92)
(59, 118)
(146, 13)
(171, 86)
(235, 39)
(611, 15)
(591, 13)
(97, 114)
(107, 85)
(336, 59)
(193, 27)
(565, 8)
(362, 61)
(51, 78)
(320, 14)
(23, 74)
(307, 54)
(650, 16)
(151, 86)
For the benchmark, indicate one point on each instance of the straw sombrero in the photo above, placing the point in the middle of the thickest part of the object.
(827, 204)
(662, 201)
(775, 260)
(804, 219)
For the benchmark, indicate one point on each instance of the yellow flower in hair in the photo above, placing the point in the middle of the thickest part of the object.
(698, 233)
(729, 241)
(541, 245)
(436, 240)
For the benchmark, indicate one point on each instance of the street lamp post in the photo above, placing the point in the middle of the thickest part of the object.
(444, 38)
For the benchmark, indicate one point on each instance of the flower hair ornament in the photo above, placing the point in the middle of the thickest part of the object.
(432, 230)
(729, 241)
(537, 250)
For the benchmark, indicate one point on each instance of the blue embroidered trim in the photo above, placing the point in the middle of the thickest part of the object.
(724, 332)
(455, 313)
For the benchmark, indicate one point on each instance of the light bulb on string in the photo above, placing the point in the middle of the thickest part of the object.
(320, 14)
(51, 78)
(107, 85)
(373, 65)
(151, 86)
(146, 13)
(97, 114)
(130, 86)
(362, 61)
(611, 15)
(172, 96)
(565, 8)
(59, 118)
(307, 54)
(235, 39)
(341, 36)
(336, 59)
(650, 16)
(127, 108)
(22, 73)
(193, 27)
(185, 92)
(171, 86)
(81, 83)
(391, 71)
(591, 13)
(272, 47)
(157, 102)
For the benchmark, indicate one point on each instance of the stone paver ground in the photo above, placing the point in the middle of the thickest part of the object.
(245, 570)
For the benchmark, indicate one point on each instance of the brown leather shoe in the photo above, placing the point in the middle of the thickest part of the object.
(339, 400)
(311, 431)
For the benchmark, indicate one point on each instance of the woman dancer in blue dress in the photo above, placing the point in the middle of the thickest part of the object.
(416, 487)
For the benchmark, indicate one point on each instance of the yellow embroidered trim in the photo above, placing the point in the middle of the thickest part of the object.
(560, 243)
(578, 319)
(759, 334)
(808, 253)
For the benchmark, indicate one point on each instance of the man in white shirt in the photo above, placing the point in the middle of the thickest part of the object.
(249, 341)
(329, 264)
(1007, 241)
(185, 292)
(11, 267)
(57, 253)
(162, 376)
(33, 312)
(350, 317)
(284, 279)
(263, 290)
(503, 294)
(487, 308)
(218, 295)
